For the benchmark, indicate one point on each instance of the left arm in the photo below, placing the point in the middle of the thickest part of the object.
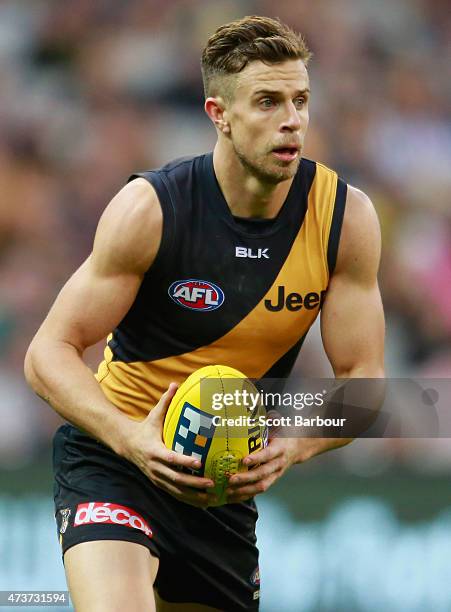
(352, 328)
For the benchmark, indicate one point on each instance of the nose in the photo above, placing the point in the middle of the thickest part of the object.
(291, 121)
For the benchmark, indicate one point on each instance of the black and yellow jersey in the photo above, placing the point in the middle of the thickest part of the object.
(224, 290)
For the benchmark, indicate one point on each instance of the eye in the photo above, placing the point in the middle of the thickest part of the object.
(299, 102)
(266, 103)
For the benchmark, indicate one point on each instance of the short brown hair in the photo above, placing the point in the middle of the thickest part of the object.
(234, 45)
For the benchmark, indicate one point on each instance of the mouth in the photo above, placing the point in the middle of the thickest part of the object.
(287, 153)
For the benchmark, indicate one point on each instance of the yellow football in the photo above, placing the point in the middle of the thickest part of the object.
(216, 416)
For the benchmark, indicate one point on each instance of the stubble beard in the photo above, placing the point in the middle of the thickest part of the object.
(272, 175)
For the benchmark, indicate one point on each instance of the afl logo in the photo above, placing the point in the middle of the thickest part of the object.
(255, 578)
(196, 294)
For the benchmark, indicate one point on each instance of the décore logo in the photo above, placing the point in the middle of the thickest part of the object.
(106, 512)
(196, 294)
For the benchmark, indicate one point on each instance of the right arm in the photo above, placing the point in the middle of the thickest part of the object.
(90, 305)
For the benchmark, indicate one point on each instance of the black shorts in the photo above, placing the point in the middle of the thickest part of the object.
(207, 556)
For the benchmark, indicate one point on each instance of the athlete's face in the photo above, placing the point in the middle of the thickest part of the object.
(268, 118)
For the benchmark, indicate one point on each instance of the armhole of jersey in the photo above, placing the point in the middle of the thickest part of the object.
(168, 212)
(336, 224)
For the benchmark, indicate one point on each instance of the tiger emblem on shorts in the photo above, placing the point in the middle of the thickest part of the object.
(65, 514)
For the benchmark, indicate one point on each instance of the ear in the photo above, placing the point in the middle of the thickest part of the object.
(216, 110)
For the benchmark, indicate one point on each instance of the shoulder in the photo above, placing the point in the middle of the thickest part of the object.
(129, 231)
(176, 167)
(360, 241)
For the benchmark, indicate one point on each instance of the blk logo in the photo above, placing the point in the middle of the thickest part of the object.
(295, 301)
(251, 253)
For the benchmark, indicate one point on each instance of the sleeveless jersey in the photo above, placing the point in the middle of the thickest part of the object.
(224, 290)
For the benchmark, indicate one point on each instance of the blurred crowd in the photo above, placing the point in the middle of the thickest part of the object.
(92, 91)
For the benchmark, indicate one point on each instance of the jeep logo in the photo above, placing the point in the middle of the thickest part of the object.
(295, 301)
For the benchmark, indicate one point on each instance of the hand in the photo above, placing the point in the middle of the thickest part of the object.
(146, 449)
(271, 463)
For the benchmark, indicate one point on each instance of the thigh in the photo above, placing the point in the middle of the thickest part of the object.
(213, 563)
(111, 576)
(206, 557)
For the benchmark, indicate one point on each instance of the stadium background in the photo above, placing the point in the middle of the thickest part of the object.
(91, 91)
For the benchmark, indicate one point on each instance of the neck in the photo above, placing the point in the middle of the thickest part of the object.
(246, 194)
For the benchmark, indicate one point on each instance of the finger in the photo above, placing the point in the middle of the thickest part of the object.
(258, 473)
(199, 499)
(251, 490)
(177, 460)
(183, 480)
(173, 459)
(186, 495)
(158, 413)
(273, 450)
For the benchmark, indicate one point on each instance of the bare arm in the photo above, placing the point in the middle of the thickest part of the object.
(352, 318)
(90, 305)
(352, 327)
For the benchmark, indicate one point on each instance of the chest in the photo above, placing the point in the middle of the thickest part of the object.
(266, 287)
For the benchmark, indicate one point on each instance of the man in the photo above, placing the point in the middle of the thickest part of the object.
(223, 258)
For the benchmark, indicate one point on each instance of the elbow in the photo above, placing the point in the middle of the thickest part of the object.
(369, 372)
(29, 367)
(43, 356)
(32, 360)
(378, 373)
(361, 371)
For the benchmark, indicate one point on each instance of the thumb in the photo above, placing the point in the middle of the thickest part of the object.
(158, 413)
